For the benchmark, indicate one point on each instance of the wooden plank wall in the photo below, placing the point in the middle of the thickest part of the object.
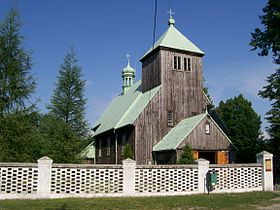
(181, 92)
(199, 140)
(151, 72)
(105, 159)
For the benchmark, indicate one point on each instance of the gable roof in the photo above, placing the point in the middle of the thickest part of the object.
(173, 38)
(179, 133)
(124, 109)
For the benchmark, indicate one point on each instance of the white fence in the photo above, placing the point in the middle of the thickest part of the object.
(47, 180)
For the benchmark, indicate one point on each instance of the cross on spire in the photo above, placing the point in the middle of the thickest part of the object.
(170, 13)
(128, 57)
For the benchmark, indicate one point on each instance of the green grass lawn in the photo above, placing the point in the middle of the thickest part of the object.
(212, 201)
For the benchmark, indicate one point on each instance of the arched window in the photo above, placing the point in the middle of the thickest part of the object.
(207, 128)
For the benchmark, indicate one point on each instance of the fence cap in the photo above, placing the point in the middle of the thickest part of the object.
(264, 153)
(128, 160)
(201, 160)
(45, 159)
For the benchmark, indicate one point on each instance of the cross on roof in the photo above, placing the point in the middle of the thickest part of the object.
(127, 56)
(170, 13)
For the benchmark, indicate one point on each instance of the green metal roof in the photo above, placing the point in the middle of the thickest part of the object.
(177, 134)
(124, 109)
(89, 151)
(173, 38)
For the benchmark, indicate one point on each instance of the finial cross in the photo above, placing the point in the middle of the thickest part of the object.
(127, 56)
(170, 13)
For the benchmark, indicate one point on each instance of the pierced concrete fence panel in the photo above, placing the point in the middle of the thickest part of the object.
(48, 180)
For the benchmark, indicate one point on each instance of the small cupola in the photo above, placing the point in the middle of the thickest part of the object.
(128, 75)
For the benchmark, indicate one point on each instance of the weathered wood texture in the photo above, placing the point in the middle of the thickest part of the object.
(151, 72)
(199, 140)
(110, 158)
(181, 93)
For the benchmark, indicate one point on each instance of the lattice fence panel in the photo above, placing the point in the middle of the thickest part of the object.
(238, 177)
(166, 180)
(18, 180)
(73, 180)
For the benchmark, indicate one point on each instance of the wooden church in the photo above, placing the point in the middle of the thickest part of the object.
(164, 111)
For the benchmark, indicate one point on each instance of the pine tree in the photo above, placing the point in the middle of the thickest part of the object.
(243, 127)
(60, 142)
(19, 137)
(68, 102)
(187, 156)
(16, 82)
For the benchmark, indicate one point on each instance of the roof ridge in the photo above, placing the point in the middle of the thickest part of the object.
(201, 116)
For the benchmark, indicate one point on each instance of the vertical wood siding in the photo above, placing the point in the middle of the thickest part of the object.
(199, 140)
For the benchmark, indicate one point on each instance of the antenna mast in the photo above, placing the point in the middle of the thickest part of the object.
(155, 23)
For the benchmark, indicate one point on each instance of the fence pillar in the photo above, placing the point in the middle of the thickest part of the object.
(266, 159)
(44, 176)
(203, 168)
(129, 167)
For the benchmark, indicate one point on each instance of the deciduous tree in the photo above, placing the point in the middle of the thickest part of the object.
(268, 41)
(243, 127)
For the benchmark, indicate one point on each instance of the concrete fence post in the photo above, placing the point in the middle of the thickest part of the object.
(266, 159)
(129, 167)
(44, 176)
(203, 168)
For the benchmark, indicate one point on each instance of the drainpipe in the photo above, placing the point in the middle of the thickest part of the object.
(116, 147)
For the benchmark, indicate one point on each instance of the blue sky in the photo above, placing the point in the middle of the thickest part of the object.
(102, 32)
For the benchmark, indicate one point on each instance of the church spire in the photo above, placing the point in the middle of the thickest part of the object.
(128, 75)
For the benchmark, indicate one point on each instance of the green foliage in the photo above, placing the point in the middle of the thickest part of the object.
(60, 143)
(20, 140)
(16, 82)
(272, 92)
(187, 156)
(127, 153)
(68, 102)
(243, 127)
(269, 38)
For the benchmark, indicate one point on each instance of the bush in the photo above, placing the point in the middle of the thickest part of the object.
(187, 156)
(127, 153)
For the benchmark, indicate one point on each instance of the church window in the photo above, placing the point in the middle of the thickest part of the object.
(177, 63)
(187, 64)
(99, 148)
(207, 128)
(109, 146)
(123, 143)
(170, 120)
